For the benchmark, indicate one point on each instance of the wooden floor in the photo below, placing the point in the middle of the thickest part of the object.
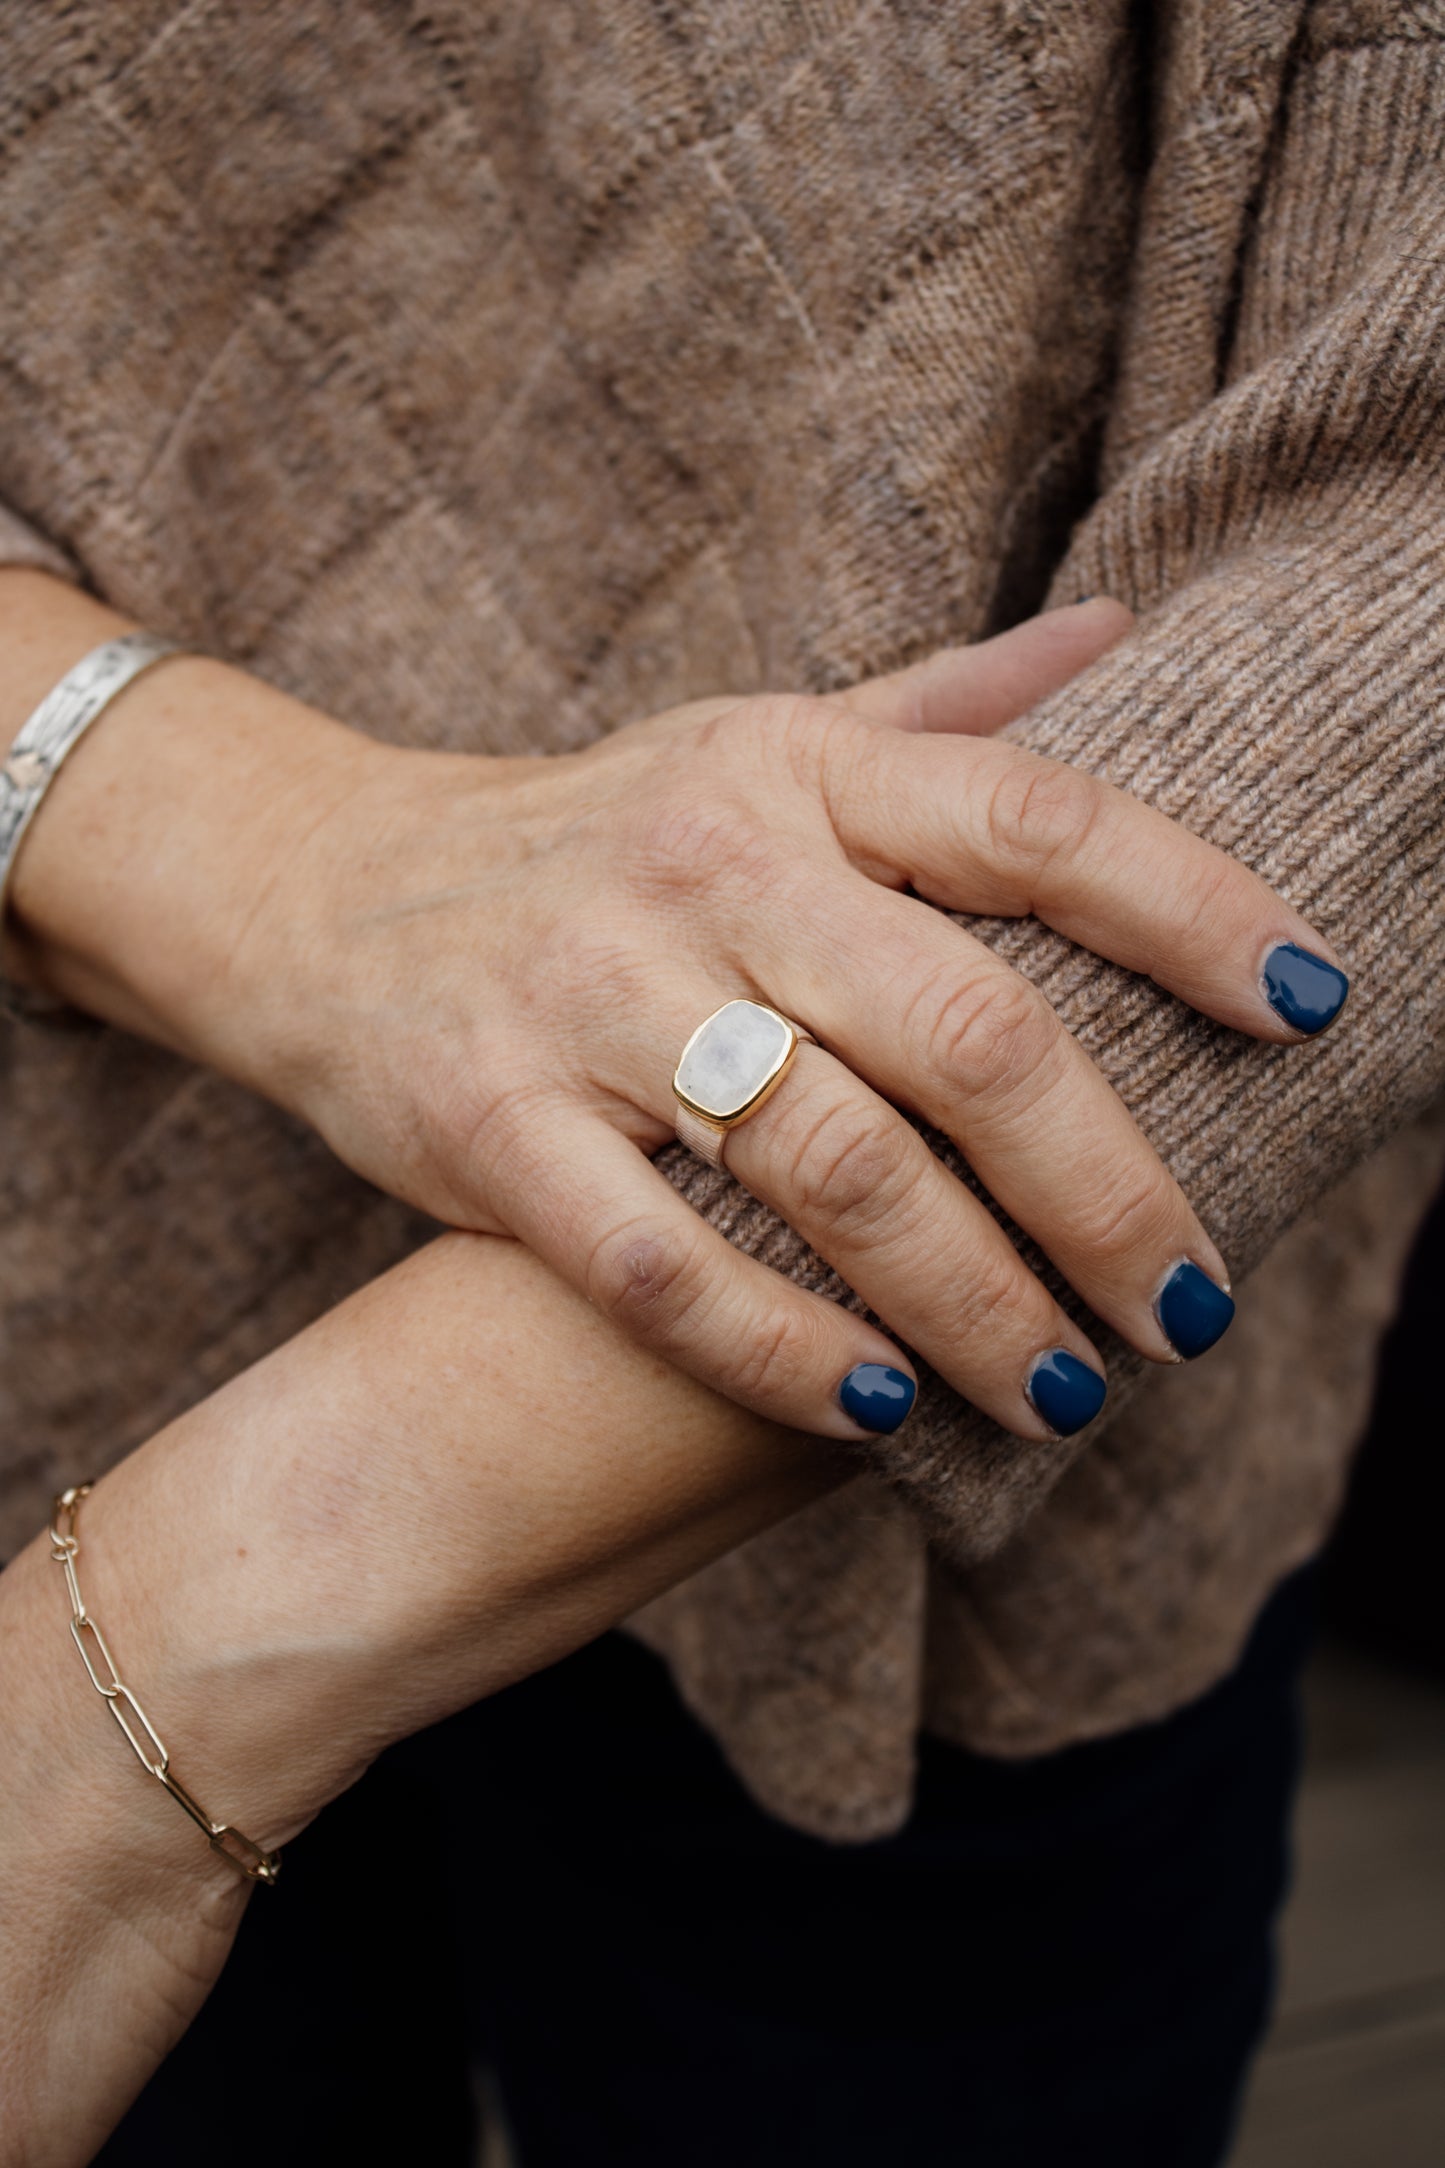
(1353, 2074)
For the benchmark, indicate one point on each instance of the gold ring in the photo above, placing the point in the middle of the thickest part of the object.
(732, 1065)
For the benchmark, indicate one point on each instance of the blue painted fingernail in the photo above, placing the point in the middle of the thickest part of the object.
(1302, 988)
(1193, 1310)
(877, 1396)
(1064, 1391)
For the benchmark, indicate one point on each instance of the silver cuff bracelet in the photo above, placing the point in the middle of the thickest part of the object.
(57, 725)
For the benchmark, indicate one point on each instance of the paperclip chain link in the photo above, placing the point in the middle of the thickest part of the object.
(145, 1741)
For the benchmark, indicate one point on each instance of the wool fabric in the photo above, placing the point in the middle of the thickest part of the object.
(494, 375)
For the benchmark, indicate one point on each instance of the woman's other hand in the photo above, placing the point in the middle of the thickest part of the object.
(386, 1519)
(475, 976)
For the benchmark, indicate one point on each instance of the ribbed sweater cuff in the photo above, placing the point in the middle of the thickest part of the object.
(1285, 708)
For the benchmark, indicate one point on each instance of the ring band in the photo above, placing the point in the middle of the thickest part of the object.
(732, 1065)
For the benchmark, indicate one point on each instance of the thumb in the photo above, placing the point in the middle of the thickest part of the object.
(974, 691)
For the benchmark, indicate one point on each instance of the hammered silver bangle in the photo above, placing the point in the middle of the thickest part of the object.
(55, 728)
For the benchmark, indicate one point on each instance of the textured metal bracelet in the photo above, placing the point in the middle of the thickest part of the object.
(55, 728)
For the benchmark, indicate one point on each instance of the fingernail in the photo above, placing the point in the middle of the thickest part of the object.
(1193, 1310)
(1302, 988)
(877, 1396)
(1064, 1391)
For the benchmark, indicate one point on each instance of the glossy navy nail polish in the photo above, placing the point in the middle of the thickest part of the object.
(877, 1396)
(1064, 1391)
(1302, 988)
(1193, 1311)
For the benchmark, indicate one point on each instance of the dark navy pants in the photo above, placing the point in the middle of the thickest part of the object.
(1067, 1961)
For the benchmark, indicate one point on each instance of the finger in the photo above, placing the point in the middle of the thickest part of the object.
(606, 1220)
(861, 1187)
(990, 827)
(976, 690)
(935, 1021)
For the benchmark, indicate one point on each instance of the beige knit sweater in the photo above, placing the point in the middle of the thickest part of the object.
(494, 374)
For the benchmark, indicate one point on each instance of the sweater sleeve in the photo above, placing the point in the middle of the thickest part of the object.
(1283, 697)
(22, 544)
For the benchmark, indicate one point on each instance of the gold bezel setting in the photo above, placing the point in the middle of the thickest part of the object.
(769, 1076)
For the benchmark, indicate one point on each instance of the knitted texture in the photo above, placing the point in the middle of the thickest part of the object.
(492, 376)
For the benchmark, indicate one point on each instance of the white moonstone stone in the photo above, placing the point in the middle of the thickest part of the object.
(727, 1063)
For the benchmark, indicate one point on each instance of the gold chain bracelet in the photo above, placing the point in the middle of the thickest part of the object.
(65, 1549)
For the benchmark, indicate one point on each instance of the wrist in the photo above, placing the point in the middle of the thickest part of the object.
(110, 1931)
(159, 838)
(386, 1519)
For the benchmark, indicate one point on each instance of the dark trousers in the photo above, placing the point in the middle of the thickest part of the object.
(1065, 1961)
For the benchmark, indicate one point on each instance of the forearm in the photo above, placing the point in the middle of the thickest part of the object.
(453, 1479)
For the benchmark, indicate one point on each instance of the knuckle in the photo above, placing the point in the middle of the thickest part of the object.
(845, 1168)
(702, 838)
(730, 807)
(646, 1279)
(775, 1356)
(809, 735)
(1039, 808)
(1209, 913)
(676, 832)
(489, 1130)
(751, 719)
(988, 1034)
(1122, 1219)
(999, 1307)
(753, 730)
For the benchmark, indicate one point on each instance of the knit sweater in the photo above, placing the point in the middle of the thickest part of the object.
(493, 375)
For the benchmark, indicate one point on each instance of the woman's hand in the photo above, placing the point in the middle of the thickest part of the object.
(455, 1478)
(475, 976)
